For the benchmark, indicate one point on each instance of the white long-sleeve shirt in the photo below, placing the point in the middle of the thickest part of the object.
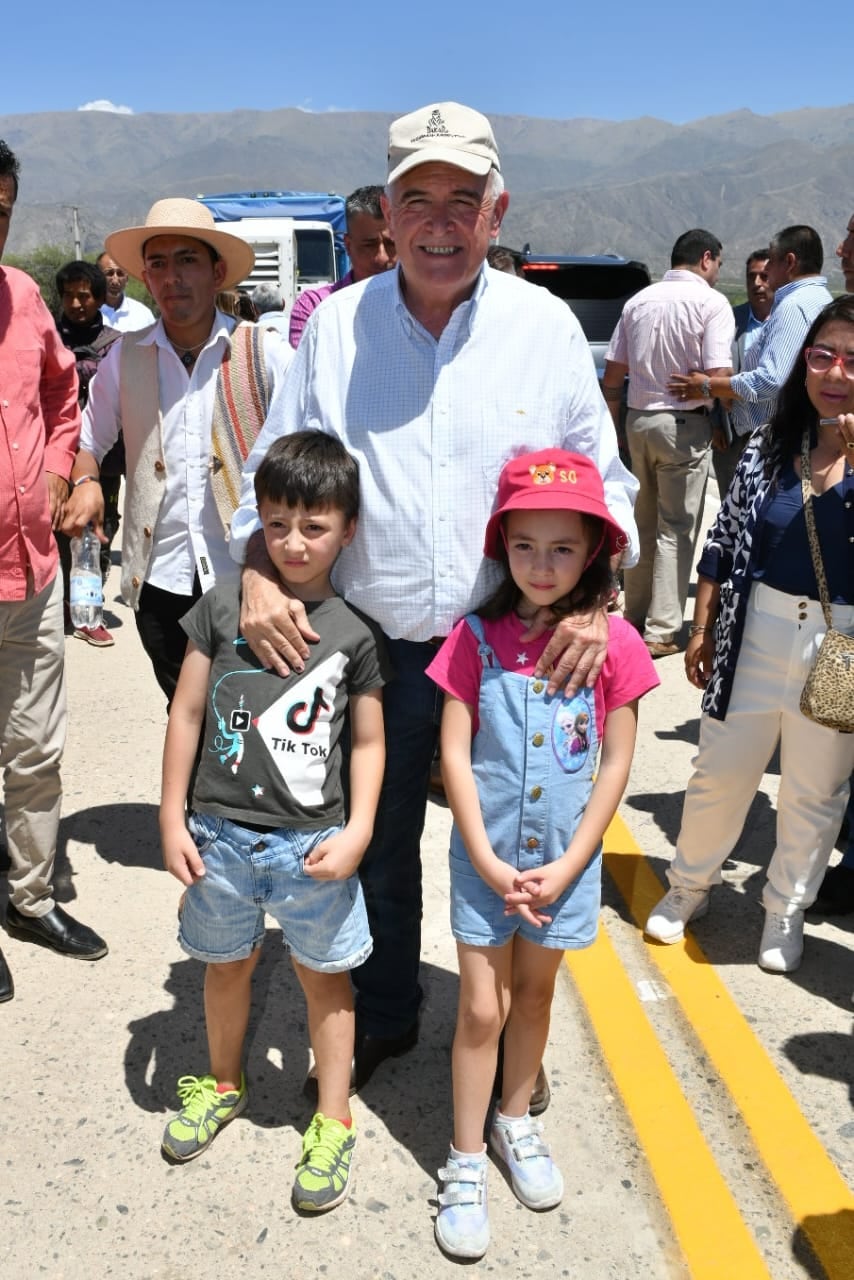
(431, 423)
(188, 537)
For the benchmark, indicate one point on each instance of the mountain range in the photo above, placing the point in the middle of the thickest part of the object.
(577, 186)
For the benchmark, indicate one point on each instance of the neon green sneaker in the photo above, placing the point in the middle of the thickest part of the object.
(202, 1116)
(323, 1173)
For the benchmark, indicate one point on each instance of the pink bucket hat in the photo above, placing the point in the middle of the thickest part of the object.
(551, 480)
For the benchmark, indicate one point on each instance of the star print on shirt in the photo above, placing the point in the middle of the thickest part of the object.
(521, 659)
(257, 791)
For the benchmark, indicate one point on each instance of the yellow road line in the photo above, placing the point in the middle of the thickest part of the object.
(812, 1187)
(714, 1239)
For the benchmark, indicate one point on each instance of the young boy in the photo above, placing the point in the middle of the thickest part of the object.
(266, 829)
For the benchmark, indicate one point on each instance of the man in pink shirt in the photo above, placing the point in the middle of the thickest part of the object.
(681, 319)
(370, 249)
(39, 429)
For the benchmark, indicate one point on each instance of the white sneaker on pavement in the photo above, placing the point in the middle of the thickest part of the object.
(534, 1177)
(667, 921)
(782, 944)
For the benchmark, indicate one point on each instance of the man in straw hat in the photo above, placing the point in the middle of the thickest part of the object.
(189, 394)
(433, 375)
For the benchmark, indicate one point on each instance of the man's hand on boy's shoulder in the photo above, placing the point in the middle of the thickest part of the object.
(275, 625)
(337, 858)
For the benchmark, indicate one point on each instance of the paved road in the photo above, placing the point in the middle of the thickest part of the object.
(701, 1109)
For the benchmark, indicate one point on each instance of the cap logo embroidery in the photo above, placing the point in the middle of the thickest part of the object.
(436, 128)
(542, 473)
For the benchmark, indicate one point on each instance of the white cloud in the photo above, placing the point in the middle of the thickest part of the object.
(104, 104)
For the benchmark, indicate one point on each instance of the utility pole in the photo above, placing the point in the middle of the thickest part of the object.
(75, 222)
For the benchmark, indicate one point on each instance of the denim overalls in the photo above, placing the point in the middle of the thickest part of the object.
(533, 760)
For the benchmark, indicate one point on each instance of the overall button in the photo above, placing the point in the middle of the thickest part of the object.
(536, 792)
(538, 686)
(537, 740)
(533, 843)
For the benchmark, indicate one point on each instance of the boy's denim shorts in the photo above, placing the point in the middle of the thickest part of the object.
(249, 873)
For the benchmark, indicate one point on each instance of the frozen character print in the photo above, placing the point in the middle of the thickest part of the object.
(572, 732)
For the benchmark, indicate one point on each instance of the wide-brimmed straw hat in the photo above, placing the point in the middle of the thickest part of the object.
(177, 216)
(551, 480)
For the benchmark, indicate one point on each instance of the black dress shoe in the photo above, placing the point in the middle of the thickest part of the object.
(541, 1094)
(7, 986)
(57, 930)
(372, 1050)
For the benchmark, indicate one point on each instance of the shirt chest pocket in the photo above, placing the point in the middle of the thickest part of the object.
(23, 373)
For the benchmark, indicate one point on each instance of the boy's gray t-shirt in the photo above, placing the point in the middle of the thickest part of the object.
(270, 752)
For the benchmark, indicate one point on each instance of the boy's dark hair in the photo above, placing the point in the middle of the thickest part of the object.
(9, 166)
(309, 469)
(88, 271)
(592, 590)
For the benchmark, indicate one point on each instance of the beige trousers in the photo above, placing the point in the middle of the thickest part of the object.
(32, 737)
(670, 458)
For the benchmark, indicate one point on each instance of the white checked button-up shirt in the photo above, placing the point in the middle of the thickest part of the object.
(188, 537)
(431, 423)
(674, 326)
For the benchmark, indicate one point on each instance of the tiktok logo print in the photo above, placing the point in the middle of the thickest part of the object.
(296, 730)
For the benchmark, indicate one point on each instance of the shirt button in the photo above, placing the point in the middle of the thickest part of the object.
(536, 792)
(147, 531)
(259, 847)
(134, 582)
(538, 686)
(538, 740)
(21, 489)
(159, 465)
(15, 445)
(533, 843)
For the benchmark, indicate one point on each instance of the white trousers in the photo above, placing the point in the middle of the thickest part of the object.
(781, 638)
(32, 737)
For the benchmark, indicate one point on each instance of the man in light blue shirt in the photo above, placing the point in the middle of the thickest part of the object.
(433, 375)
(795, 258)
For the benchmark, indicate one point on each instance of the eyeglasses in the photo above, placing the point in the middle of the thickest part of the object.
(820, 360)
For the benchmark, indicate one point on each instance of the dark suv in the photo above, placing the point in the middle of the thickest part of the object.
(595, 289)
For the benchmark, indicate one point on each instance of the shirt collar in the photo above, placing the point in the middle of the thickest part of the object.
(466, 309)
(785, 289)
(682, 273)
(223, 327)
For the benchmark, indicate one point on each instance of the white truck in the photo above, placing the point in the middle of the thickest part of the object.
(297, 236)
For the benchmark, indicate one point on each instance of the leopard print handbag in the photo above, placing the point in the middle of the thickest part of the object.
(828, 695)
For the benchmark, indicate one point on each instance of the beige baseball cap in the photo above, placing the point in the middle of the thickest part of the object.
(444, 132)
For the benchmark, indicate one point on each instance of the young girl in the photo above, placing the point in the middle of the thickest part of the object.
(525, 854)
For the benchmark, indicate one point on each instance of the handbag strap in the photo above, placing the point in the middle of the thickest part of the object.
(812, 534)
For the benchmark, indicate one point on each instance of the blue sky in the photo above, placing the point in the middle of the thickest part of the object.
(550, 58)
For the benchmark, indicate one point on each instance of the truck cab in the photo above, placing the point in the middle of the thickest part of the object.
(297, 236)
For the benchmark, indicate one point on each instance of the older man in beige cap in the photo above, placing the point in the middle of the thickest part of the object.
(189, 394)
(433, 375)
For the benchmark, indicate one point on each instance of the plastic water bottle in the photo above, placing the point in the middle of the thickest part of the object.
(86, 588)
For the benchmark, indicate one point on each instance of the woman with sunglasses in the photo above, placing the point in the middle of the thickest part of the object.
(757, 627)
